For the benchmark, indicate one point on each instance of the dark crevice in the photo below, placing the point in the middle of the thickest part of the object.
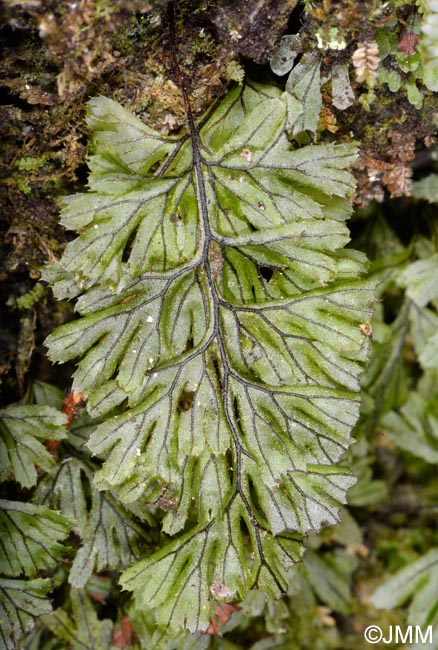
(257, 510)
(82, 173)
(185, 401)
(236, 412)
(218, 372)
(294, 24)
(126, 254)
(230, 463)
(8, 98)
(266, 272)
(190, 343)
(244, 528)
(86, 492)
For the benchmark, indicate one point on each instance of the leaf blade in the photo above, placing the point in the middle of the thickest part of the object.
(23, 430)
(238, 361)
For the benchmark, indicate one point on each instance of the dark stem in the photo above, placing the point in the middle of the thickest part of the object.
(205, 261)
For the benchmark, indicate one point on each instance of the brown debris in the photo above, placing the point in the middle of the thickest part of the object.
(123, 637)
(222, 614)
(327, 120)
(366, 330)
(408, 42)
(398, 180)
(73, 405)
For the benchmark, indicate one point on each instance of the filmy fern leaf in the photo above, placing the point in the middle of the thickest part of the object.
(23, 429)
(428, 44)
(111, 539)
(30, 537)
(415, 426)
(219, 306)
(416, 582)
(81, 628)
(21, 601)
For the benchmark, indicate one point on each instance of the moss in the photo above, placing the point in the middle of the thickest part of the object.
(394, 112)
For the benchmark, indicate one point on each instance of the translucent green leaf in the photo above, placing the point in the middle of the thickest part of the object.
(428, 46)
(419, 278)
(82, 628)
(330, 580)
(38, 639)
(415, 95)
(342, 92)
(285, 54)
(387, 256)
(210, 562)
(415, 427)
(23, 429)
(416, 582)
(304, 84)
(385, 380)
(429, 356)
(390, 77)
(21, 601)
(367, 490)
(152, 636)
(29, 537)
(426, 188)
(45, 394)
(347, 533)
(424, 333)
(111, 539)
(221, 314)
(387, 41)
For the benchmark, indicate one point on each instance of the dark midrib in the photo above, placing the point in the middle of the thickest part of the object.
(209, 237)
(202, 196)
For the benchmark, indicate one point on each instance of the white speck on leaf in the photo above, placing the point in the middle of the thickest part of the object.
(217, 588)
(247, 154)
